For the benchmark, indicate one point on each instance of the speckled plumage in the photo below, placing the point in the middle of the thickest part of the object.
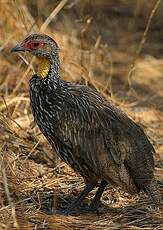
(89, 133)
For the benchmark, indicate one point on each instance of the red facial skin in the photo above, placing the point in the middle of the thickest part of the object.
(31, 45)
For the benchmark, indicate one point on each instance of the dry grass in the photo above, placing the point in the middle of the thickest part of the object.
(98, 43)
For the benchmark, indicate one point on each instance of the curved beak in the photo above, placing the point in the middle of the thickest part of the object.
(18, 47)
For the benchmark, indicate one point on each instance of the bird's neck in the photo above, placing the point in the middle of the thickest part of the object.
(48, 67)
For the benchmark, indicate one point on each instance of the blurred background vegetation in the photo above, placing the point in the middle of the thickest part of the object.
(99, 42)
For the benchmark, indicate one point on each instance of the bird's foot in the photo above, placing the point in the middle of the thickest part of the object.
(73, 210)
(97, 207)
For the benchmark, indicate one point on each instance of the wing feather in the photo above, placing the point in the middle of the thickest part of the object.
(93, 128)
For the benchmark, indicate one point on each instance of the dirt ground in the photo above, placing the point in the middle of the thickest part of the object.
(99, 42)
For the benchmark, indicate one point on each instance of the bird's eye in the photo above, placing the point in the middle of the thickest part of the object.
(36, 44)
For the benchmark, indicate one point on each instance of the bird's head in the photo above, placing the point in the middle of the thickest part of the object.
(39, 45)
(43, 47)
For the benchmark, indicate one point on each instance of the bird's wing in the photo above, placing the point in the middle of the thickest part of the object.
(83, 122)
(93, 128)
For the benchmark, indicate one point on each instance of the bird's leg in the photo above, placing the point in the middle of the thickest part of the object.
(80, 198)
(96, 200)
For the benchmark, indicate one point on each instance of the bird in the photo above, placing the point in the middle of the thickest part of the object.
(87, 131)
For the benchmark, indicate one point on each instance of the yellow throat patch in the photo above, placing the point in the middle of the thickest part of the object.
(43, 67)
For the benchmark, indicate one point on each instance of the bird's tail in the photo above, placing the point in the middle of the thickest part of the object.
(152, 190)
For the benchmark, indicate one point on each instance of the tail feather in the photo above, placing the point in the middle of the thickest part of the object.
(152, 190)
